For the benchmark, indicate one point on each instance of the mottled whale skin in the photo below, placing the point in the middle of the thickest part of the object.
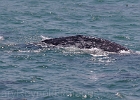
(85, 42)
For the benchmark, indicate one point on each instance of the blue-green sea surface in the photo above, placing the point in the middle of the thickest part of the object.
(31, 71)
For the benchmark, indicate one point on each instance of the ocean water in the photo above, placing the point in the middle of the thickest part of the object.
(31, 71)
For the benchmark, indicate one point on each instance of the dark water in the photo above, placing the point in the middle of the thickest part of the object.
(33, 72)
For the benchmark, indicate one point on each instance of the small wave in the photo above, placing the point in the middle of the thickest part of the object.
(1, 38)
(137, 52)
(102, 59)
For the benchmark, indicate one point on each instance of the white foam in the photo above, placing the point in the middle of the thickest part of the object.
(27, 51)
(137, 52)
(44, 38)
(92, 51)
(125, 52)
(96, 52)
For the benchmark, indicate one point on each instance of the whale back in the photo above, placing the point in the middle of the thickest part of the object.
(85, 42)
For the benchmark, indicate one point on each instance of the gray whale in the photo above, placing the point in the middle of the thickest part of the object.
(85, 42)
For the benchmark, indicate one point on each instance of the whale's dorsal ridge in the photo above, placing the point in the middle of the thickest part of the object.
(86, 42)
